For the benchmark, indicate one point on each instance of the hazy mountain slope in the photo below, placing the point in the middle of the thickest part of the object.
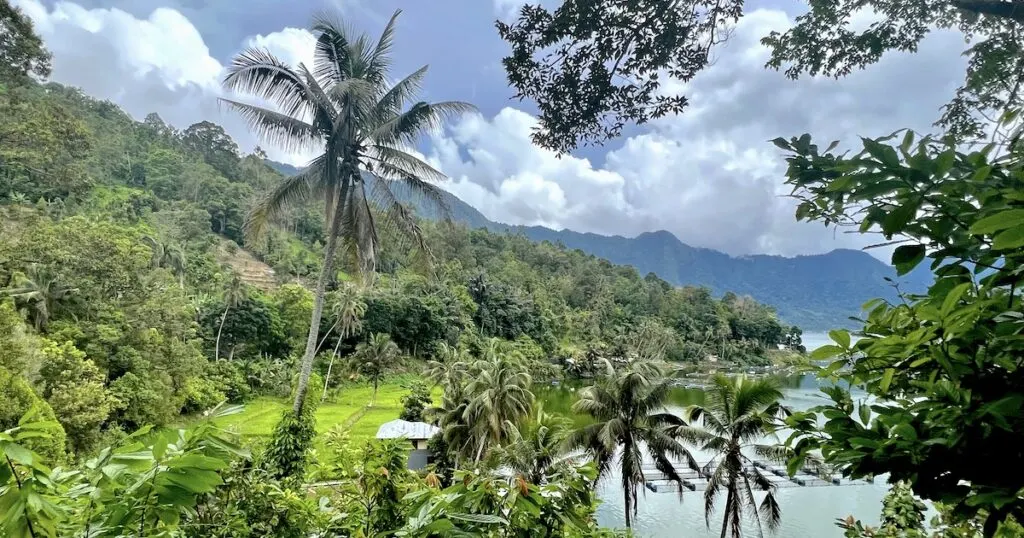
(816, 292)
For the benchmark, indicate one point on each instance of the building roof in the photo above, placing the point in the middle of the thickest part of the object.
(397, 429)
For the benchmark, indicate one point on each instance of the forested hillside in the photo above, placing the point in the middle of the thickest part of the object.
(117, 246)
(817, 292)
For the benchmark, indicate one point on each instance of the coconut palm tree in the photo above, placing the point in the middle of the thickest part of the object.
(344, 109)
(374, 358)
(538, 447)
(234, 294)
(169, 256)
(40, 294)
(737, 415)
(349, 310)
(448, 370)
(450, 416)
(499, 394)
(629, 410)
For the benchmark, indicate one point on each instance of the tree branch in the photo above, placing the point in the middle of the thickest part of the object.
(1007, 9)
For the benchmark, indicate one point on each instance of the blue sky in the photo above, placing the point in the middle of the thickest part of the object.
(709, 176)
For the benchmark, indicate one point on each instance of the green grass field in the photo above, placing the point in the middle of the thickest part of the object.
(349, 403)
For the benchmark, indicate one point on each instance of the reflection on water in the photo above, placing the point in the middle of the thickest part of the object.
(805, 511)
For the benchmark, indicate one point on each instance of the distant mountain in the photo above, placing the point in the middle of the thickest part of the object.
(816, 292)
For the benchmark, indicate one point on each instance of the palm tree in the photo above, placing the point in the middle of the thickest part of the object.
(630, 417)
(233, 295)
(538, 447)
(348, 313)
(373, 358)
(499, 394)
(168, 255)
(448, 370)
(40, 294)
(344, 108)
(450, 416)
(737, 413)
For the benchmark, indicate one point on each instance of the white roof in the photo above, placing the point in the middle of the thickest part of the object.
(397, 429)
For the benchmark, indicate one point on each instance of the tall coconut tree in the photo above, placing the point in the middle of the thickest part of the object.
(360, 125)
(39, 293)
(630, 418)
(737, 416)
(349, 310)
(499, 394)
(234, 294)
(374, 358)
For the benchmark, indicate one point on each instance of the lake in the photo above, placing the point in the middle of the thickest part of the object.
(806, 511)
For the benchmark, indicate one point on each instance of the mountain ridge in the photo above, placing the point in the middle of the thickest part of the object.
(815, 291)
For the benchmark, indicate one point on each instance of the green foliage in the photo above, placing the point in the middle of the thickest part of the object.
(145, 400)
(286, 455)
(74, 388)
(481, 504)
(376, 497)
(415, 402)
(827, 41)
(944, 366)
(17, 399)
(21, 51)
(592, 66)
(143, 488)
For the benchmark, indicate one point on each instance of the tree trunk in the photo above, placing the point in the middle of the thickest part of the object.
(373, 400)
(330, 365)
(629, 512)
(216, 352)
(729, 499)
(318, 305)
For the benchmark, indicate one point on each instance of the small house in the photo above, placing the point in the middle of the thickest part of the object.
(417, 433)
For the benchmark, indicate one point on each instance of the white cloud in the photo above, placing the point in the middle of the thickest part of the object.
(709, 176)
(159, 63)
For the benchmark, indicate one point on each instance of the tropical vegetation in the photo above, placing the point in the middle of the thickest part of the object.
(153, 277)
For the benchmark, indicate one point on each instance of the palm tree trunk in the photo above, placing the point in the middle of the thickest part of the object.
(224, 316)
(729, 500)
(330, 365)
(373, 400)
(318, 304)
(628, 505)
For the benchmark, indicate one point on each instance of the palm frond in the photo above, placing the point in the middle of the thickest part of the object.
(391, 103)
(281, 130)
(258, 72)
(331, 54)
(380, 58)
(324, 114)
(298, 188)
(421, 118)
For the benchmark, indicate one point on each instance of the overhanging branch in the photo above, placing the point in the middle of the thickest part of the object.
(1009, 9)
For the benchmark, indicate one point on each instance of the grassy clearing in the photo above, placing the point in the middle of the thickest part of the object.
(256, 422)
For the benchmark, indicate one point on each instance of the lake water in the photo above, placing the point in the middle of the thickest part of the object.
(806, 511)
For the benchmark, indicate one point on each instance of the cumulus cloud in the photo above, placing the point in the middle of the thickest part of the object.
(159, 63)
(709, 176)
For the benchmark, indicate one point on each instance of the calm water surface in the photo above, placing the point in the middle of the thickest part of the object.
(809, 512)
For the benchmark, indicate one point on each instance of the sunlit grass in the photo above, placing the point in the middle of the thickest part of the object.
(349, 404)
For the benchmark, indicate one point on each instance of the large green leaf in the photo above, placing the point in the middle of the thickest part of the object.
(1010, 239)
(907, 257)
(998, 221)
